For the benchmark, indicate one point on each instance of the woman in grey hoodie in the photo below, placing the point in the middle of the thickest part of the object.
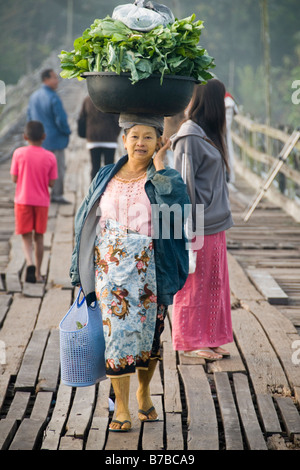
(201, 310)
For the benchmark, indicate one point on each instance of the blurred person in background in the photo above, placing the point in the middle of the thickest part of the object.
(46, 106)
(231, 110)
(34, 170)
(101, 131)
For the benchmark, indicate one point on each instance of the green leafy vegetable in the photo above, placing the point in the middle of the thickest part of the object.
(110, 46)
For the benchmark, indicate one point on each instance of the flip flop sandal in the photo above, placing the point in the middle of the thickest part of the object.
(146, 413)
(42, 281)
(207, 357)
(224, 354)
(30, 274)
(121, 423)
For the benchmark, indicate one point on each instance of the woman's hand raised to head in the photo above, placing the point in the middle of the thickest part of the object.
(159, 158)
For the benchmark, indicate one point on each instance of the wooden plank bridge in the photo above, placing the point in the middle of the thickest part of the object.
(249, 401)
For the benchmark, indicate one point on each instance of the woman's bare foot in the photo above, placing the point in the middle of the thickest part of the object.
(205, 353)
(221, 351)
(122, 422)
(146, 411)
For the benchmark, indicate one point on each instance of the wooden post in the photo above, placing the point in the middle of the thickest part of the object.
(267, 64)
(70, 14)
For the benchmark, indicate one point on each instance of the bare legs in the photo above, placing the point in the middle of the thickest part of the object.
(36, 239)
(121, 386)
(143, 393)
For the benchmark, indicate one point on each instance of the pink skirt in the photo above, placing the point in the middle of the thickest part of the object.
(202, 310)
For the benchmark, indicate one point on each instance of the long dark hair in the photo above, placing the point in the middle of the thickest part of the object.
(207, 109)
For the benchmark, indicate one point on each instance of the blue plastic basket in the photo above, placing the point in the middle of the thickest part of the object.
(82, 345)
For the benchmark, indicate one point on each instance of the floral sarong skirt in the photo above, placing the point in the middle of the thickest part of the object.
(125, 284)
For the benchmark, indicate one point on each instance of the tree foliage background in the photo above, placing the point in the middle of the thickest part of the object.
(30, 30)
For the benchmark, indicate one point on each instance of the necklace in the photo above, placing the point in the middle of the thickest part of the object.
(131, 180)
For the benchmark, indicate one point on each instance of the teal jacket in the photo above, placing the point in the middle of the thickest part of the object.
(163, 188)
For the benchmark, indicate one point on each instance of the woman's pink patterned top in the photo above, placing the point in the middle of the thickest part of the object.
(127, 202)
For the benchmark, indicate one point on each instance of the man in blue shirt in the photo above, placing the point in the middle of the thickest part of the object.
(46, 106)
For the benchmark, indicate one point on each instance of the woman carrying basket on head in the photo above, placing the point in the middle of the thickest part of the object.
(124, 258)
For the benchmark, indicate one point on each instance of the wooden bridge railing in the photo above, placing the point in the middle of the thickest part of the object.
(256, 148)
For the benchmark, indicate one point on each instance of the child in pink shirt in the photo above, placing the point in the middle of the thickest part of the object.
(34, 170)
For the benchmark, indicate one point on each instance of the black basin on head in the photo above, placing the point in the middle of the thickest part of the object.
(113, 93)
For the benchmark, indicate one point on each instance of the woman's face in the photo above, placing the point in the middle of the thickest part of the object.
(141, 142)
